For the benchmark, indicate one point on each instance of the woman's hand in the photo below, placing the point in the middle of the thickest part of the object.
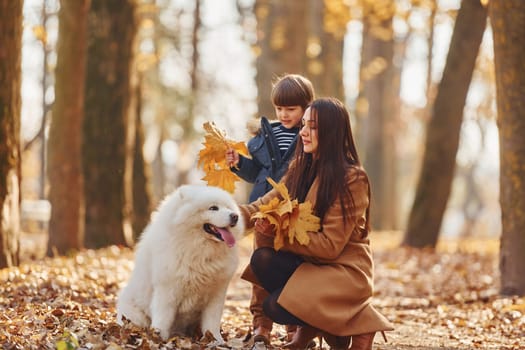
(264, 227)
(232, 158)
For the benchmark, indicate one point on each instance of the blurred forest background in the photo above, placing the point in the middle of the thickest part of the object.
(104, 102)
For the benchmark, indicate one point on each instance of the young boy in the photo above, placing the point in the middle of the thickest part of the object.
(274, 143)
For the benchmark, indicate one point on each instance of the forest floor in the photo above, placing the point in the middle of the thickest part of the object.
(446, 299)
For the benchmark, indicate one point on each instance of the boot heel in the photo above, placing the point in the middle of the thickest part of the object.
(384, 336)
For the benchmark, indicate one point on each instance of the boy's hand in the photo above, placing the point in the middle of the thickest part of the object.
(232, 158)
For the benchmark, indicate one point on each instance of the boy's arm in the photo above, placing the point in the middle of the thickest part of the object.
(247, 169)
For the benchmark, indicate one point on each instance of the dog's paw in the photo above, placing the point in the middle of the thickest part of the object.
(162, 334)
(209, 338)
(123, 321)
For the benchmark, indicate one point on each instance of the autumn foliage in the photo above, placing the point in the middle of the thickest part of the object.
(212, 158)
(291, 220)
(444, 299)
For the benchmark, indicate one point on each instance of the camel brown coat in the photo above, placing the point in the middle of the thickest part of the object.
(333, 289)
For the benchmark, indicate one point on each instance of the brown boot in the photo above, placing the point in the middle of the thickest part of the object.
(290, 331)
(262, 325)
(363, 341)
(302, 338)
(261, 334)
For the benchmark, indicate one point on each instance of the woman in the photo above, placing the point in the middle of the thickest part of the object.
(326, 286)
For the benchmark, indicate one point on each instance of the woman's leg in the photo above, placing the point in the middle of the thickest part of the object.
(277, 313)
(273, 268)
(262, 324)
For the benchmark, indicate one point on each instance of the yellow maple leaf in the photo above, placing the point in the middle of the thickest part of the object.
(290, 219)
(280, 187)
(270, 212)
(278, 242)
(302, 221)
(272, 205)
(219, 139)
(222, 178)
(212, 157)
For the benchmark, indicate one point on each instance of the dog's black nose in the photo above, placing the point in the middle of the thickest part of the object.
(233, 219)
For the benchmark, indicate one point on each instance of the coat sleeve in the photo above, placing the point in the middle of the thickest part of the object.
(248, 210)
(327, 245)
(247, 169)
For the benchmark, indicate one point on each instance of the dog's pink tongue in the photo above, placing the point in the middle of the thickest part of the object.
(227, 236)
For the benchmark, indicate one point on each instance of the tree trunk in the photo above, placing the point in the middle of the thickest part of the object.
(325, 48)
(46, 106)
(282, 37)
(66, 226)
(187, 120)
(109, 125)
(158, 176)
(430, 45)
(10, 104)
(380, 123)
(507, 19)
(444, 127)
(142, 204)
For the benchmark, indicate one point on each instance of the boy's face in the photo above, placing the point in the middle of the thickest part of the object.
(289, 116)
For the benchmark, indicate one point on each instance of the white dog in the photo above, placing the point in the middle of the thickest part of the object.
(184, 262)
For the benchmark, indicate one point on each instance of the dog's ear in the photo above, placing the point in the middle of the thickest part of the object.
(183, 192)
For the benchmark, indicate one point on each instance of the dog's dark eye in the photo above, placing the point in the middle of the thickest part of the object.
(214, 207)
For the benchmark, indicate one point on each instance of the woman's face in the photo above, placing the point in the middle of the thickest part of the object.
(308, 132)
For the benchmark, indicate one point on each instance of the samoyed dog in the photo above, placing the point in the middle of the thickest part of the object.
(184, 262)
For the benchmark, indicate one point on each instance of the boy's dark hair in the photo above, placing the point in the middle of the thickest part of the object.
(292, 90)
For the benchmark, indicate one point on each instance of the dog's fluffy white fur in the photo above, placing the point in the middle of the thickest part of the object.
(184, 262)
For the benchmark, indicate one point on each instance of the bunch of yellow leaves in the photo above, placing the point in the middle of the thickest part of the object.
(212, 158)
(290, 219)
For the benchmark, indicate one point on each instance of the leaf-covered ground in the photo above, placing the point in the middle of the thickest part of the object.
(442, 300)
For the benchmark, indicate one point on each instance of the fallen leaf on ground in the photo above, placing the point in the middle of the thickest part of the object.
(443, 299)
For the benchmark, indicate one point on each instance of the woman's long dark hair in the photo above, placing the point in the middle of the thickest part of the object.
(336, 152)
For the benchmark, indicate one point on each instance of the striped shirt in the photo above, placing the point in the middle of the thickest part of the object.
(284, 137)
